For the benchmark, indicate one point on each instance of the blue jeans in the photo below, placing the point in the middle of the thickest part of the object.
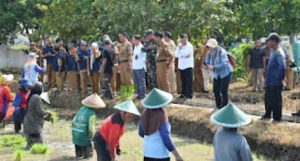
(139, 81)
(221, 91)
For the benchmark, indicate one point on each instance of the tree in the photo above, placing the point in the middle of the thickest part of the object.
(20, 16)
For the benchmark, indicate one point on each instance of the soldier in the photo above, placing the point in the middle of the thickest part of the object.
(171, 73)
(198, 64)
(150, 48)
(164, 59)
(125, 58)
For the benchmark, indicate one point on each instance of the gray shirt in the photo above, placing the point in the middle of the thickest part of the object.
(34, 119)
(231, 146)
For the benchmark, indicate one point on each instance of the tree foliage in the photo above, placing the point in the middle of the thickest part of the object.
(89, 19)
(20, 16)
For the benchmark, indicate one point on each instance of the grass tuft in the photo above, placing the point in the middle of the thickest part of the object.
(12, 141)
(19, 155)
(54, 117)
(39, 149)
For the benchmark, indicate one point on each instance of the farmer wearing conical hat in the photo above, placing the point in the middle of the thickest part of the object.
(5, 95)
(83, 126)
(229, 145)
(106, 139)
(20, 103)
(155, 128)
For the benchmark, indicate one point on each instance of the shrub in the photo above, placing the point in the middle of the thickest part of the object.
(240, 53)
(12, 141)
(39, 149)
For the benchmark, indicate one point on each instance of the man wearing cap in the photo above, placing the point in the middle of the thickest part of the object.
(163, 61)
(48, 54)
(20, 103)
(150, 48)
(138, 66)
(83, 54)
(274, 79)
(171, 72)
(185, 55)
(229, 145)
(125, 58)
(107, 138)
(31, 69)
(217, 61)
(155, 128)
(83, 125)
(5, 95)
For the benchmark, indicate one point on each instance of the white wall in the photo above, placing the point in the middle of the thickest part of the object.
(11, 58)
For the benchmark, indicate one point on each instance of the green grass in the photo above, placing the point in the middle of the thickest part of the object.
(39, 149)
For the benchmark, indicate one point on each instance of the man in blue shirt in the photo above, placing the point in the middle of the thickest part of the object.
(48, 54)
(274, 79)
(83, 59)
(72, 68)
(256, 63)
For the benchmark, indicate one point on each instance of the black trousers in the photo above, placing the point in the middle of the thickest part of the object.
(187, 86)
(220, 88)
(273, 102)
(84, 151)
(107, 85)
(152, 159)
(101, 148)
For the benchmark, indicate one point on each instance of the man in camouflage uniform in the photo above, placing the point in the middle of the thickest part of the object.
(163, 62)
(125, 59)
(150, 48)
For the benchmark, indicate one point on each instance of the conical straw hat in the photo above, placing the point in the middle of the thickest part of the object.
(157, 99)
(93, 101)
(231, 117)
(128, 106)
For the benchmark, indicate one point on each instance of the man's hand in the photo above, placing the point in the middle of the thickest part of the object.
(151, 47)
(118, 151)
(129, 66)
(211, 67)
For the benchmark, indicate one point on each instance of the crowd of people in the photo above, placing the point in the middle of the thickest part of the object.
(150, 70)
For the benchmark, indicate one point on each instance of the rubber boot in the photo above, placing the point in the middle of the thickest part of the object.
(130, 91)
(123, 92)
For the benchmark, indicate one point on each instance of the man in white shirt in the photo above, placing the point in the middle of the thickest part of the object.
(138, 66)
(185, 54)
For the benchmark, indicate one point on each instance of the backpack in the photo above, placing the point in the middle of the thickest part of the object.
(231, 59)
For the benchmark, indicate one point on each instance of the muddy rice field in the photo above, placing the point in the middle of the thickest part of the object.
(193, 132)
